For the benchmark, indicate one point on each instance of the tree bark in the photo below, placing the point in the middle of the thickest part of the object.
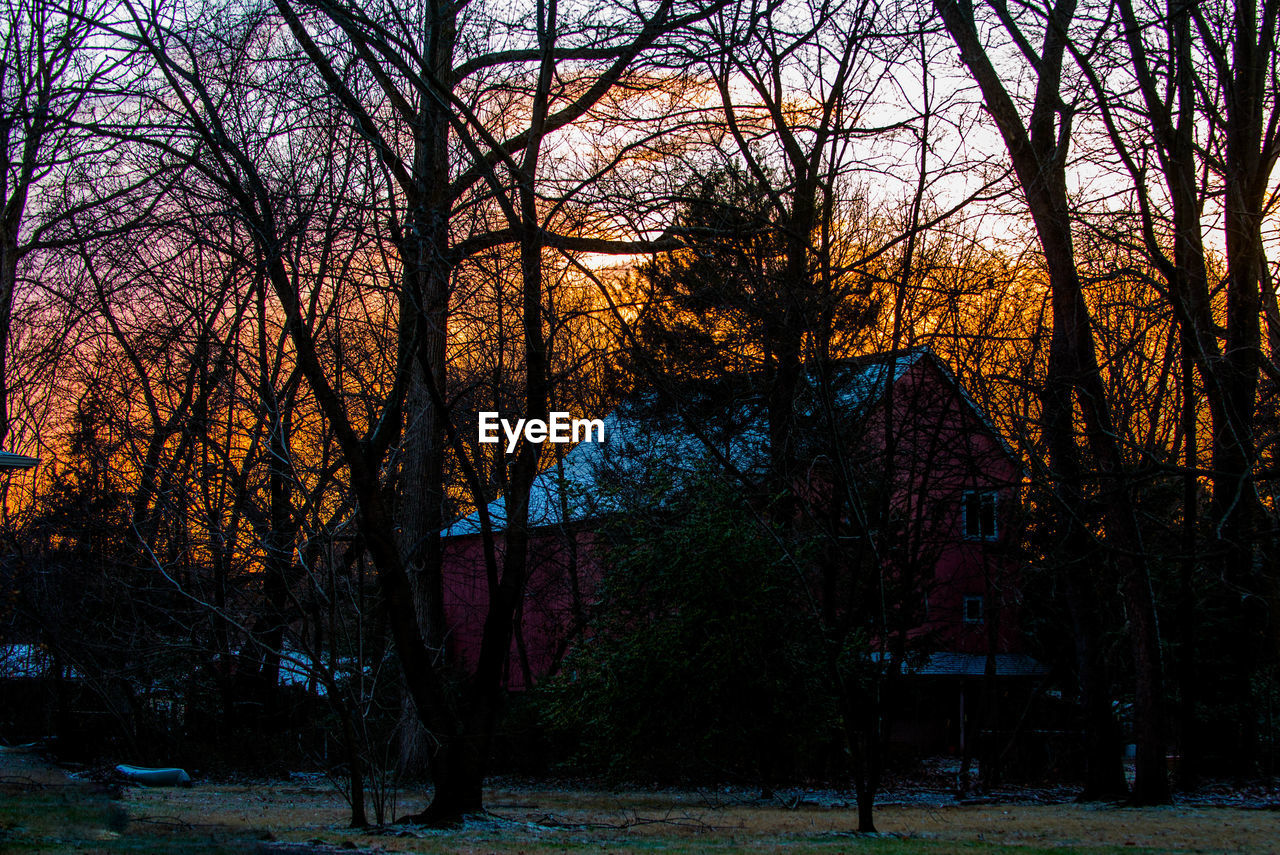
(424, 310)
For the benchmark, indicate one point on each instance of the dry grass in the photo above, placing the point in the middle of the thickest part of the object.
(294, 818)
(537, 819)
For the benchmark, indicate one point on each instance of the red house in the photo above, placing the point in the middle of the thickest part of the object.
(904, 423)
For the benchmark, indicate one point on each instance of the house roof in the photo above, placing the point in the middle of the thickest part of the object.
(567, 492)
(9, 460)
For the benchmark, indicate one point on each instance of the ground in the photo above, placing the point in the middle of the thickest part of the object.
(43, 810)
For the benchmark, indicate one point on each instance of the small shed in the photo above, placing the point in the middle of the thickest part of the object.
(10, 460)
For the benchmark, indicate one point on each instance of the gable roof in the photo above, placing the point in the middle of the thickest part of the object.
(568, 491)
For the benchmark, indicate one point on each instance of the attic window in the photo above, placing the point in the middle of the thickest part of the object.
(980, 515)
(973, 609)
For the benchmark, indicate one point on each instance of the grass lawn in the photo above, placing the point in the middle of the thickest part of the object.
(42, 811)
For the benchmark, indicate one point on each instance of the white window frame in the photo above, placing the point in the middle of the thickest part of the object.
(982, 609)
(995, 515)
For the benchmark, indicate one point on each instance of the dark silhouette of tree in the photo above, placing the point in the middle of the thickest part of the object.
(1038, 148)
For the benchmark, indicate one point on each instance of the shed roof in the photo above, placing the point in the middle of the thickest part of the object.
(947, 664)
(9, 460)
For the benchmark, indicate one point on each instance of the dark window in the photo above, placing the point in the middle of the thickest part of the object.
(980, 515)
(973, 609)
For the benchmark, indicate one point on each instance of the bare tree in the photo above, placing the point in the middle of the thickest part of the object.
(498, 173)
(45, 74)
(1039, 148)
(1191, 119)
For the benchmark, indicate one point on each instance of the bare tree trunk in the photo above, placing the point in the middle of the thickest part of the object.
(1188, 595)
(1231, 376)
(1038, 151)
(1251, 139)
(355, 765)
(8, 282)
(424, 311)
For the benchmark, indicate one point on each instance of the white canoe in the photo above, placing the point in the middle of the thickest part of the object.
(154, 777)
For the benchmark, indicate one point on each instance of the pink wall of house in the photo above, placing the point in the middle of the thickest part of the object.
(945, 451)
(562, 572)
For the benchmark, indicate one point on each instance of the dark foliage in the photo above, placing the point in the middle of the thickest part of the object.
(702, 664)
